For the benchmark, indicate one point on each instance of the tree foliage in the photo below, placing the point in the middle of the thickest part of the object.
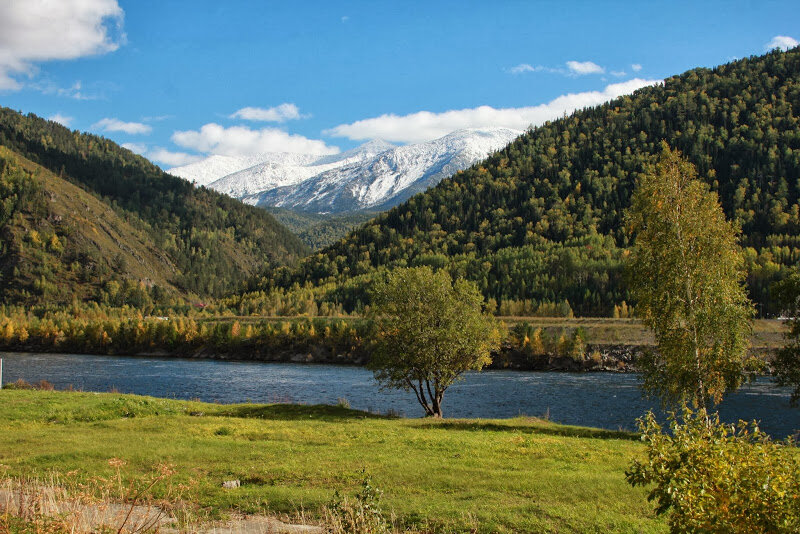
(716, 478)
(787, 361)
(213, 242)
(429, 330)
(542, 218)
(686, 271)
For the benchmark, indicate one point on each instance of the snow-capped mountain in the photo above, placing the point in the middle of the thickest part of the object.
(376, 175)
(215, 167)
(275, 173)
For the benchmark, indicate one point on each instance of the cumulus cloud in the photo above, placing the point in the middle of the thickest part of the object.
(240, 141)
(61, 119)
(636, 67)
(138, 148)
(34, 31)
(426, 125)
(581, 68)
(784, 42)
(618, 73)
(116, 125)
(170, 158)
(162, 155)
(281, 113)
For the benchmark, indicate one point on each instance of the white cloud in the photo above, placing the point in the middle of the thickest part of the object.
(75, 91)
(523, 67)
(636, 67)
(171, 159)
(581, 68)
(116, 125)
(33, 31)
(239, 140)
(426, 125)
(61, 119)
(158, 118)
(281, 113)
(162, 155)
(618, 73)
(784, 42)
(138, 148)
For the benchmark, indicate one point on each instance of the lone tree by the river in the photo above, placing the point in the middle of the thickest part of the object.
(428, 331)
(686, 272)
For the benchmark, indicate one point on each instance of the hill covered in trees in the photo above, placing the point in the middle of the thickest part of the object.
(541, 221)
(319, 230)
(84, 218)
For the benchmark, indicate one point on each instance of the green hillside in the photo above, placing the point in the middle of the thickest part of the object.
(542, 219)
(122, 218)
(60, 242)
(319, 230)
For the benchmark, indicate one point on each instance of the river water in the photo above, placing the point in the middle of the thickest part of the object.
(604, 400)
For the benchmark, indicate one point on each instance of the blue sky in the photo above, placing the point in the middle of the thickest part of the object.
(177, 81)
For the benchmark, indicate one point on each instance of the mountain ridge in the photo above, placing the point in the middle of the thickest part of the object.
(374, 176)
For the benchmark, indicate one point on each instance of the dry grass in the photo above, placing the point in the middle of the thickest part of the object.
(60, 503)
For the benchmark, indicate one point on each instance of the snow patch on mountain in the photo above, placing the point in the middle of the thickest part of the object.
(215, 167)
(376, 175)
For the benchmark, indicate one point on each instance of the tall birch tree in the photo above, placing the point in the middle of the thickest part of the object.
(686, 271)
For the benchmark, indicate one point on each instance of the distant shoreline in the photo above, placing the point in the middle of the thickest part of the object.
(597, 358)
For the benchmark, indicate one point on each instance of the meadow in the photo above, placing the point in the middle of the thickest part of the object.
(511, 475)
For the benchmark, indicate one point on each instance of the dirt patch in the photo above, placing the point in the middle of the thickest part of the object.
(87, 517)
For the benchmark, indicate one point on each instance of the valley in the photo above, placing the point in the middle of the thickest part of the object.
(283, 263)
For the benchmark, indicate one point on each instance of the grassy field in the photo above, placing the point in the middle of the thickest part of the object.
(516, 475)
(767, 333)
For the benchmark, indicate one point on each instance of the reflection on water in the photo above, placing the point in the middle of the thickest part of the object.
(598, 399)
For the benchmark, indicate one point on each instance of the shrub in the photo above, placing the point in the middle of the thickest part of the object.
(714, 477)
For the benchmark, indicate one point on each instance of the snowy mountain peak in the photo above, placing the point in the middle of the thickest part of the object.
(375, 175)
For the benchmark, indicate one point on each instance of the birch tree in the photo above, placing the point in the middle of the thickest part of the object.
(686, 271)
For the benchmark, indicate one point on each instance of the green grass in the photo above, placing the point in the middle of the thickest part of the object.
(515, 475)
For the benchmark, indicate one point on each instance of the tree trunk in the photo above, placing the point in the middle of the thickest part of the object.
(420, 393)
(437, 396)
(437, 408)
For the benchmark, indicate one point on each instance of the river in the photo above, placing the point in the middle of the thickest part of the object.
(604, 400)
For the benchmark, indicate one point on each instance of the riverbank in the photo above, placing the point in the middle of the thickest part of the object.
(517, 475)
(530, 343)
(610, 358)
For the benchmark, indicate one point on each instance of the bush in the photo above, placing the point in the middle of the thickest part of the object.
(714, 477)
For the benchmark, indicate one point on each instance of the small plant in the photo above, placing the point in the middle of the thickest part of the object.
(223, 431)
(343, 403)
(713, 477)
(361, 514)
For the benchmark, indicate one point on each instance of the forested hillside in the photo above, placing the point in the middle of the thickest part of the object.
(318, 230)
(61, 243)
(199, 242)
(541, 221)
